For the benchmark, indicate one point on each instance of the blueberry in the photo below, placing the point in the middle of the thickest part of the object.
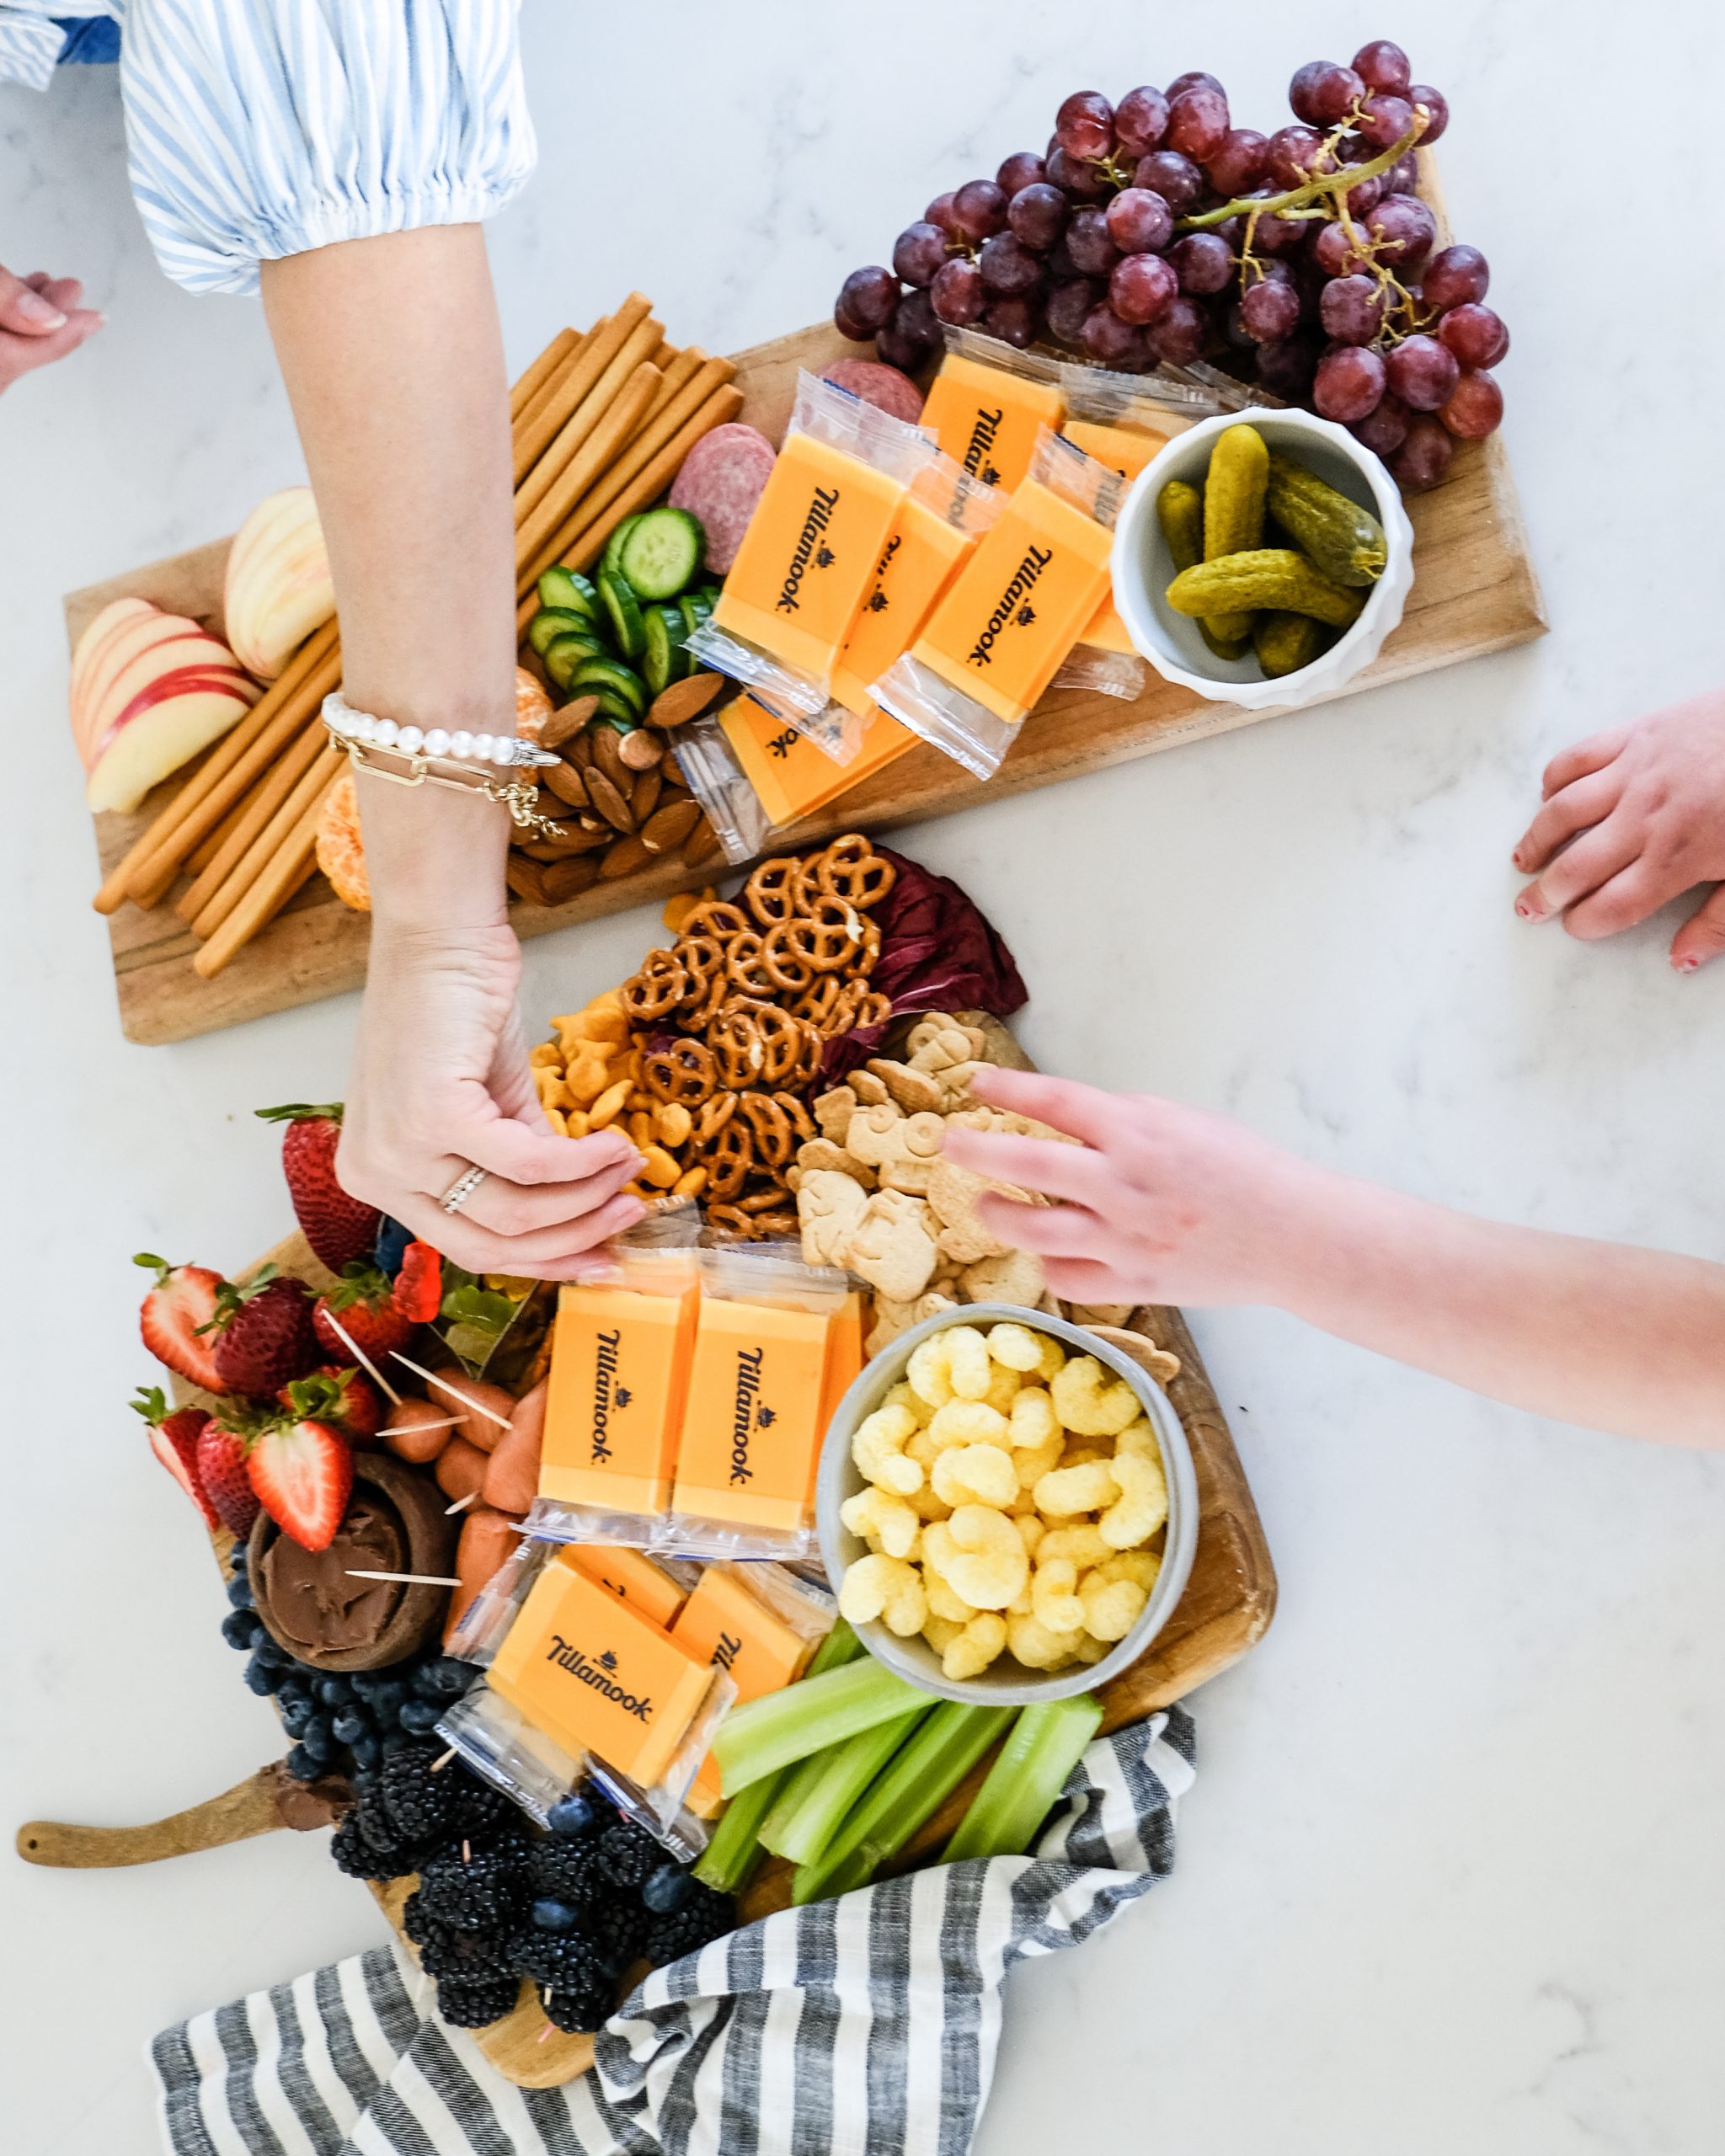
(666, 1889)
(239, 1592)
(317, 1738)
(392, 1244)
(302, 1766)
(238, 1557)
(292, 1688)
(570, 1815)
(387, 1698)
(295, 1714)
(444, 1678)
(261, 1677)
(420, 1717)
(272, 1655)
(242, 1630)
(335, 1691)
(367, 1751)
(351, 1726)
(554, 1916)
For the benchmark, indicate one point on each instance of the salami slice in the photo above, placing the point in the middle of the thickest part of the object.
(876, 383)
(723, 477)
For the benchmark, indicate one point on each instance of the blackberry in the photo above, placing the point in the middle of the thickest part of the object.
(481, 1894)
(477, 2005)
(418, 1922)
(560, 1960)
(704, 1916)
(379, 1829)
(354, 1855)
(617, 1931)
(466, 1957)
(421, 1802)
(578, 2011)
(628, 1854)
(570, 1871)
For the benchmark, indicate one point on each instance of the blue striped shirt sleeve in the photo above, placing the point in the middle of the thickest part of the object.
(263, 128)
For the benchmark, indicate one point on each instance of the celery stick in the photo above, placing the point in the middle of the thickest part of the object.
(825, 1801)
(1024, 1781)
(925, 1772)
(730, 1857)
(772, 1731)
(792, 1786)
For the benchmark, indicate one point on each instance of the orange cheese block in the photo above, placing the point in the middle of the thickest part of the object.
(843, 1361)
(1020, 603)
(921, 556)
(724, 1623)
(619, 1373)
(793, 777)
(809, 556)
(751, 1432)
(595, 1676)
(1126, 451)
(988, 420)
(632, 1578)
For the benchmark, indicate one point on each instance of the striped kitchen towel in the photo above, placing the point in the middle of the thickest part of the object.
(853, 2027)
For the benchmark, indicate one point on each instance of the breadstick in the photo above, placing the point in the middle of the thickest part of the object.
(565, 391)
(259, 805)
(528, 385)
(578, 430)
(201, 855)
(213, 774)
(663, 356)
(308, 789)
(681, 368)
(605, 443)
(282, 876)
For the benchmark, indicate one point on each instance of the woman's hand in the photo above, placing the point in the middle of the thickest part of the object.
(1639, 816)
(40, 320)
(441, 1083)
(1157, 1203)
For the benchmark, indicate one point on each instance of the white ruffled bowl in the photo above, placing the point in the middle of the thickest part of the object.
(1143, 569)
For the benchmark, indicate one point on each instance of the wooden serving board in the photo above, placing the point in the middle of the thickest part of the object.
(1474, 592)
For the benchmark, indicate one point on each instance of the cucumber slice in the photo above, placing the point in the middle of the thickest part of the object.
(612, 711)
(610, 561)
(695, 607)
(551, 622)
(617, 680)
(664, 659)
(624, 610)
(662, 553)
(566, 653)
(568, 589)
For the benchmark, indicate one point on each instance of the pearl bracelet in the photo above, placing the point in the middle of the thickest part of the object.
(462, 754)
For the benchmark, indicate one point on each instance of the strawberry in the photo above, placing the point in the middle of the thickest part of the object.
(222, 1444)
(363, 1304)
(176, 1311)
(174, 1439)
(346, 1399)
(338, 1228)
(419, 1286)
(302, 1469)
(263, 1333)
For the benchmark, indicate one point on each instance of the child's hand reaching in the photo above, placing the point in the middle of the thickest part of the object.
(40, 320)
(1639, 814)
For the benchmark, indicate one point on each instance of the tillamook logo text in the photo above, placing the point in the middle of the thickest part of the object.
(821, 508)
(746, 1413)
(597, 1675)
(1009, 604)
(606, 1394)
(982, 434)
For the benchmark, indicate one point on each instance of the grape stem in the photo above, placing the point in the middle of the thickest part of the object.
(1333, 184)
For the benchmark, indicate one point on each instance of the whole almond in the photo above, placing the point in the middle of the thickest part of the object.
(566, 782)
(625, 857)
(684, 699)
(644, 796)
(608, 757)
(578, 750)
(568, 879)
(610, 803)
(701, 843)
(526, 879)
(564, 725)
(669, 825)
(639, 751)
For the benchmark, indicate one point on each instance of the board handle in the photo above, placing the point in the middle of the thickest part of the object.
(270, 1799)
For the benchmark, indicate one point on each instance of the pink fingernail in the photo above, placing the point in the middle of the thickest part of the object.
(40, 311)
(1686, 964)
(1524, 909)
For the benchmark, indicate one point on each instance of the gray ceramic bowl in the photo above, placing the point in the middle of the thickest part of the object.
(1008, 1684)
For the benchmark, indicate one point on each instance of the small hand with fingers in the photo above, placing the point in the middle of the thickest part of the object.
(41, 320)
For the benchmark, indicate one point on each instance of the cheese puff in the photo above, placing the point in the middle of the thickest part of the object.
(987, 1565)
(940, 1632)
(1111, 1607)
(928, 1372)
(1022, 1504)
(1054, 1598)
(1081, 1543)
(1054, 1358)
(1023, 1605)
(969, 1423)
(1033, 1420)
(1080, 1452)
(924, 1447)
(1065, 1490)
(1002, 1389)
(877, 1449)
(982, 1475)
(886, 1587)
(1033, 1529)
(1032, 1462)
(967, 1370)
(913, 1403)
(983, 1641)
(884, 1519)
(925, 1505)
(1142, 1505)
(1140, 1438)
(1140, 1566)
(1016, 1347)
(1035, 1646)
(943, 1600)
(1090, 1648)
(1090, 1402)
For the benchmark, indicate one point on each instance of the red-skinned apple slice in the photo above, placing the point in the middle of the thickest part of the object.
(149, 652)
(278, 586)
(165, 725)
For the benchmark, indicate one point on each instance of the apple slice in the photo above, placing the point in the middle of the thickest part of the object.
(278, 584)
(136, 651)
(165, 725)
(90, 656)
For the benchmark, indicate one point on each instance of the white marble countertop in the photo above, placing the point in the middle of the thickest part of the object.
(1451, 1874)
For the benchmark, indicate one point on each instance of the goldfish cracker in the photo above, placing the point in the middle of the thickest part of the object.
(512, 1472)
(681, 904)
(987, 406)
(997, 639)
(632, 1578)
(808, 559)
(487, 1540)
(619, 1378)
(791, 773)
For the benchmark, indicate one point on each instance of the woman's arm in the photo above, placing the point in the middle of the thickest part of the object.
(1163, 1203)
(391, 354)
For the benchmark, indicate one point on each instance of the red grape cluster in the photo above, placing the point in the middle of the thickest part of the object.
(1156, 231)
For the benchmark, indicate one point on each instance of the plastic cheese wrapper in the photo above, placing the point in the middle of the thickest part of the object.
(1022, 601)
(808, 559)
(753, 1427)
(582, 1684)
(714, 774)
(760, 1624)
(989, 403)
(791, 777)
